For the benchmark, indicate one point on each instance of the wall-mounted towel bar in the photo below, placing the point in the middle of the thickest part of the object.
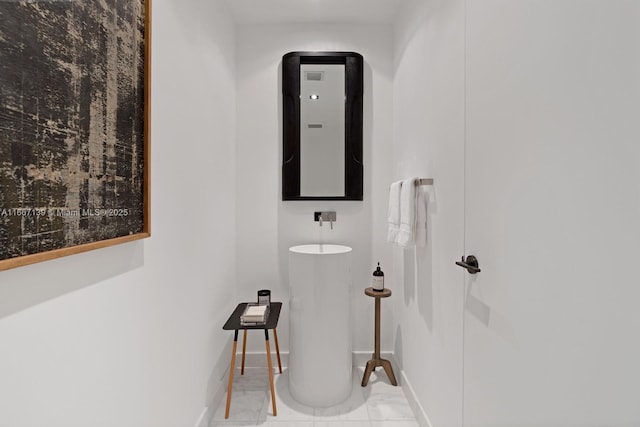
(425, 181)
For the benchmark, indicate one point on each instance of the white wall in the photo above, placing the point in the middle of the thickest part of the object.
(428, 124)
(131, 335)
(552, 208)
(551, 122)
(267, 226)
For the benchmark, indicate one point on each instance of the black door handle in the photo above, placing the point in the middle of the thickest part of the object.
(471, 264)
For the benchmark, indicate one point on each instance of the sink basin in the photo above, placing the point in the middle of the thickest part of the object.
(320, 249)
(320, 356)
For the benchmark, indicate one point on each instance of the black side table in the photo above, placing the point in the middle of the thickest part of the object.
(376, 360)
(233, 324)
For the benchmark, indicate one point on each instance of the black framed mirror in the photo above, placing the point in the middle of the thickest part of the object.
(322, 126)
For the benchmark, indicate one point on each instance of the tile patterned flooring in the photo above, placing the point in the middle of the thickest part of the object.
(377, 405)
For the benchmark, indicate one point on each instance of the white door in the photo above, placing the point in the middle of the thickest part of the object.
(552, 212)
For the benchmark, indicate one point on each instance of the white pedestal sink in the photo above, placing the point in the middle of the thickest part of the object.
(320, 325)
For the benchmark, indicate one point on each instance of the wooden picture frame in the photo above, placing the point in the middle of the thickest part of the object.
(74, 127)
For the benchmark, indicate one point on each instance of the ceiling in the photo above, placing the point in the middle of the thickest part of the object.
(307, 11)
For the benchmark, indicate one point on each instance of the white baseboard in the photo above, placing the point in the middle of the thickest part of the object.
(259, 359)
(360, 358)
(216, 387)
(418, 410)
(202, 420)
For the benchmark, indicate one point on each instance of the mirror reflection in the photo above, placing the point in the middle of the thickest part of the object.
(322, 129)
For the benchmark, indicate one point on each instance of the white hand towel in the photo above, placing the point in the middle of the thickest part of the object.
(406, 234)
(421, 217)
(393, 216)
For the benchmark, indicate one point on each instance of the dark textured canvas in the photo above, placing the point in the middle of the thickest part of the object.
(72, 77)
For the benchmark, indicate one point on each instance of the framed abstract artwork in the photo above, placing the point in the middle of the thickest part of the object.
(74, 126)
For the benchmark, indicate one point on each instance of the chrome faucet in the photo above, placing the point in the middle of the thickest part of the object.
(325, 216)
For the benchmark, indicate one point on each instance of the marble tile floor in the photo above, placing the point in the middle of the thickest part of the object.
(378, 405)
